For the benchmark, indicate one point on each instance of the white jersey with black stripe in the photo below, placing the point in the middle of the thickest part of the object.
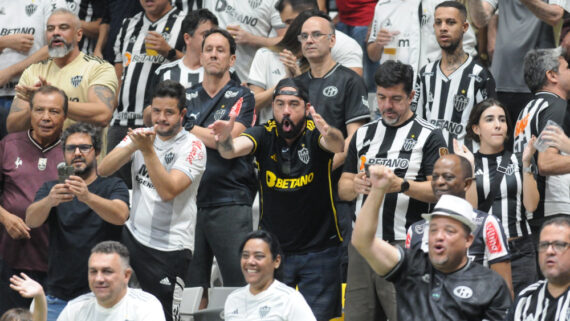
(410, 150)
(447, 101)
(139, 64)
(187, 5)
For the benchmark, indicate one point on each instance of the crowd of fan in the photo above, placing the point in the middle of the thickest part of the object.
(150, 137)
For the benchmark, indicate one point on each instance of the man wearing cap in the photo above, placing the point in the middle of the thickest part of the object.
(294, 154)
(441, 284)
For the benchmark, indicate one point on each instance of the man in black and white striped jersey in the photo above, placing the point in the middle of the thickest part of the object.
(448, 88)
(548, 299)
(409, 146)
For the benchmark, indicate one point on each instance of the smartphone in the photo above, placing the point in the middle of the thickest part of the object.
(64, 171)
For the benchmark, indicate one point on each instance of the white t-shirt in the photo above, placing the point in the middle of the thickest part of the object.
(278, 303)
(136, 305)
(254, 16)
(167, 226)
(22, 17)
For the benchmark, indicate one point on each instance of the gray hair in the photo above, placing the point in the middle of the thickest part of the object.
(539, 61)
(76, 21)
(113, 247)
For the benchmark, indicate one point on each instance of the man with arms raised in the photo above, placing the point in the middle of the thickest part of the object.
(294, 153)
(109, 273)
(442, 284)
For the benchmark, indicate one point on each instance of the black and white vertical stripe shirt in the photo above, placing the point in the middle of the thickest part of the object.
(187, 5)
(536, 303)
(447, 101)
(553, 189)
(410, 150)
(508, 202)
(138, 64)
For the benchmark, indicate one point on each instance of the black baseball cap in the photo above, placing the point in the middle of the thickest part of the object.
(299, 91)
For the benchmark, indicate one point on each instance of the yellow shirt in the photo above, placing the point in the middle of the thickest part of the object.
(74, 79)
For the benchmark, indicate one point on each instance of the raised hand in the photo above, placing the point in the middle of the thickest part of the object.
(529, 151)
(321, 124)
(462, 150)
(222, 129)
(26, 286)
(381, 177)
(556, 138)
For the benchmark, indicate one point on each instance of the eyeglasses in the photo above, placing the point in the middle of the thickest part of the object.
(558, 246)
(315, 35)
(84, 148)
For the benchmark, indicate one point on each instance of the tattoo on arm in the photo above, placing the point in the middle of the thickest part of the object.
(227, 145)
(16, 106)
(105, 95)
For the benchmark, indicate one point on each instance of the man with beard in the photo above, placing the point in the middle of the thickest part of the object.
(408, 145)
(294, 155)
(81, 211)
(89, 82)
(448, 88)
(167, 165)
(228, 188)
(442, 284)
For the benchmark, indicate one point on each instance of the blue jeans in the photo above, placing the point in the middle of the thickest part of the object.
(358, 33)
(55, 306)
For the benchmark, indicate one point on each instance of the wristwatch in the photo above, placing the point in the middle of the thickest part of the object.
(190, 123)
(529, 169)
(171, 54)
(405, 186)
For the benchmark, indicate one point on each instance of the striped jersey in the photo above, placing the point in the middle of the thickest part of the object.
(410, 150)
(447, 101)
(536, 303)
(139, 64)
(554, 194)
(187, 5)
(508, 202)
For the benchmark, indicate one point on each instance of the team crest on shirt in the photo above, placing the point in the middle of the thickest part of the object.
(71, 5)
(419, 228)
(304, 155)
(75, 81)
(460, 101)
(474, 76)
(219, 114)
(409, 144)
(42, 164)
(463, 292)
(254, 3)
(168, 158)
(30, 9)
(330, 91)
(263, 311)
(231, 94)
(509, 170)
(484, 94)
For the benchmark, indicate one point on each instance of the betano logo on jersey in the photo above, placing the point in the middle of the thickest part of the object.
(129, 57)
(273, 181)
(401, 163)
(222, 5)
(454, 128)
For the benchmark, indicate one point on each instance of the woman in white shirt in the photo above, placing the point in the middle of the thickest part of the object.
(264, 297)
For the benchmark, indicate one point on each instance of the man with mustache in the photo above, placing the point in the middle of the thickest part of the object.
(408, 145)
(294, 153)
(80, 211)
(167, 165)
(89, 82)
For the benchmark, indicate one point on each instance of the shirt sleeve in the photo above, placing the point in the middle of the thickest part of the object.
(119, 190)
(485, 88)
(375, 25)
(299, 309)
(192, 161)
(43, 191)
(255, 134)
(418, 102)
(351, 161)
(118, 45)
(258, 68)
(501, 302)
(347, 51)
(152, 311)
(434, 147)
(276, 22)
(496, 247)
(356, 108)
(104, 75)
(245, 113)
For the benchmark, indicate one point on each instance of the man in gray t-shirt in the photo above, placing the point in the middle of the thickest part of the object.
(524, 25)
